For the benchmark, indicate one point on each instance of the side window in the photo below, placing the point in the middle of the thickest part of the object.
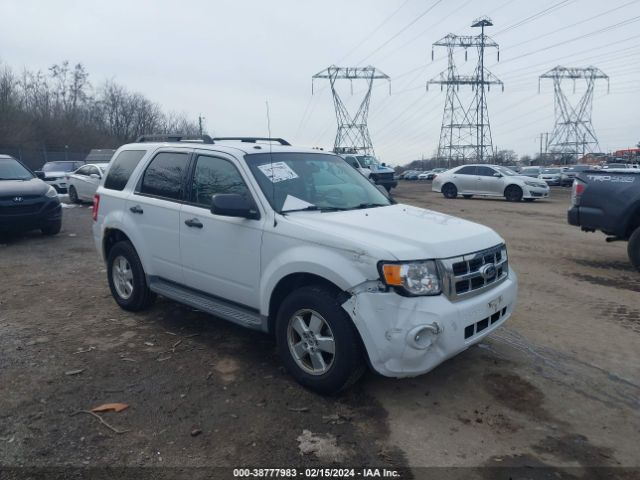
(485, 171)
(93, 171)
(83, 171)
(165, 174)
(214, 175)
(122, 167)
(468, 170)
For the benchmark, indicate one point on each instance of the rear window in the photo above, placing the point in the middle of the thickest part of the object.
(122, 167)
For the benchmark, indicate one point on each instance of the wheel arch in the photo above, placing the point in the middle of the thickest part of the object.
(111, 237)
(289, 283)
(634, 219)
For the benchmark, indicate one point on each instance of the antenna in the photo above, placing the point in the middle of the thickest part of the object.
(273, 184)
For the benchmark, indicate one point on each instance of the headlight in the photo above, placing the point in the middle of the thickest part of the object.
(52, 192)
(533, 184)
(414, 278)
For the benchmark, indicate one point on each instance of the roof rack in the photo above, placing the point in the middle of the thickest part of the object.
(281, 141)
(174, 137)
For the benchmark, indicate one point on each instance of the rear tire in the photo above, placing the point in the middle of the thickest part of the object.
(449, 190)
(513, 193)
(319, 370)
(633, 248)
(73, 195)
(127, 280)
(467, 196)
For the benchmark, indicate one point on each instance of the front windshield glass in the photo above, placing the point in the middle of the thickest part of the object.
(11, 169)
(312, 181)
(578, 168)
(530, 170)
(550, 170)
(367, 161)
(505, 171)
(59, 167)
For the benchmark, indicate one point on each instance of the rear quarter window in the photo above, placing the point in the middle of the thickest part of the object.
(121, 168)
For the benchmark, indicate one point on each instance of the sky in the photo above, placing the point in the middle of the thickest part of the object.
(225, 59)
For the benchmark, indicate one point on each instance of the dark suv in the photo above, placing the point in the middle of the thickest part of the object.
(26, 202)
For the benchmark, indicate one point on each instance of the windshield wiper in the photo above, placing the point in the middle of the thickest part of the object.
(369, 205)
(312, 208)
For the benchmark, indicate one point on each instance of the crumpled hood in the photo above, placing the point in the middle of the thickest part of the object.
(35, 186)
(398, 232)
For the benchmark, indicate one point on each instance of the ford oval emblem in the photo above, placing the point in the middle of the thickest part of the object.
(18, 199)
(488, 271)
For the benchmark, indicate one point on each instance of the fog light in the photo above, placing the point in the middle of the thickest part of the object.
(423, 336)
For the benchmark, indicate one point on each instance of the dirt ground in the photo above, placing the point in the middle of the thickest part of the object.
(557, 387)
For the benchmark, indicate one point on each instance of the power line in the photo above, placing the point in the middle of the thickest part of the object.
(401, 31)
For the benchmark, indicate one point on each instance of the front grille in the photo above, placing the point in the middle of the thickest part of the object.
(473, 273)
(383, 176)
(21, 209)
(475, 328)
(9, 198)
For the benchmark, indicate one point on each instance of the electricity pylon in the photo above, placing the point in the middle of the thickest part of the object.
(353, 132)
(573, 134)
(466, 132)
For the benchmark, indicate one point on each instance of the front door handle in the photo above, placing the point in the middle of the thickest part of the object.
(193, 222)
(136, 209)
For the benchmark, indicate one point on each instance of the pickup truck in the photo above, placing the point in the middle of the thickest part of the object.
(609, 201)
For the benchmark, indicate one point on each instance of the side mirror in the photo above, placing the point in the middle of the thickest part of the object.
(233, 205)
(39, 174)
(95, 175)
(499, 175)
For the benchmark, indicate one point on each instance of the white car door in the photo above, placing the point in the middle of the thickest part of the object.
(220, 254)
(155, 207)
(76, 179)
(488, 182)
(91, 182)
(465, 179)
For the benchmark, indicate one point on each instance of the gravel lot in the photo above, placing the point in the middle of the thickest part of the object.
(558, 386)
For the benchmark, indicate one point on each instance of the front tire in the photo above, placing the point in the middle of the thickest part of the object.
(513, 193)
(52, 229)
(73, 195)
(127, 280)
(633, 248)
(449, 190)
(317, 341)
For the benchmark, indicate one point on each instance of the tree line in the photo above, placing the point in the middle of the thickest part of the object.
(61, 107)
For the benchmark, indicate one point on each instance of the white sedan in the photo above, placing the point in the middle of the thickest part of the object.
(489, 180)
(83, 183)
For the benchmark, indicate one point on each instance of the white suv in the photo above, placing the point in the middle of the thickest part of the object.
(297, 243)
(491, 181)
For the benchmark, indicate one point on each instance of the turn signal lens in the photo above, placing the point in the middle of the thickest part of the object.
(392, 274)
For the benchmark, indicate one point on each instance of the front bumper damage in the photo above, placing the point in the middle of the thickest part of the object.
(409, 336)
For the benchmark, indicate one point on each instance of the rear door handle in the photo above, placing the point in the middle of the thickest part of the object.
(193, 222)
(136, 209)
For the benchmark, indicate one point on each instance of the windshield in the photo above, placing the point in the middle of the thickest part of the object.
(312, 181)
(60, 167)
(367, 161)
(11, 169)
(530, 170)
(550, 170)
(578, 168)
(505, 171)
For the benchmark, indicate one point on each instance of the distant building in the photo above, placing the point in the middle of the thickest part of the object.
(98, 155)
